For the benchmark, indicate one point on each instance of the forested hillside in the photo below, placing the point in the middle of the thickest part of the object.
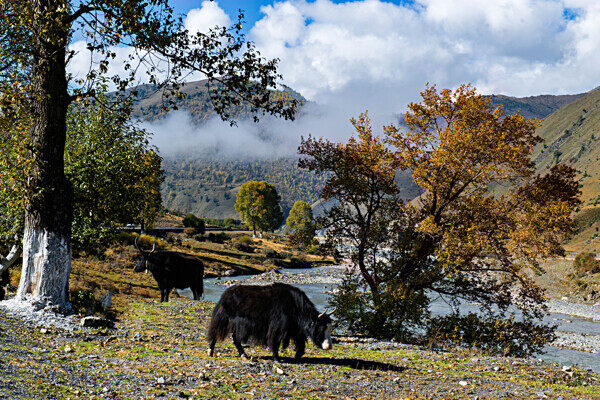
(534, 106)
(195, 101)
(208, 187)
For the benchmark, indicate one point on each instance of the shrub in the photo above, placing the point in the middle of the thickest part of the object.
(220, 237)
(189, 232)
(84, 301)
(491, 335)
(398, 312)
(144, 241)
(270, 253)
(586, 263)
(243, 243)
(191, 221)
(299, 262)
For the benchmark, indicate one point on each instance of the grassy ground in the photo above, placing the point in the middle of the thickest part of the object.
(113, 271)
(159, 351)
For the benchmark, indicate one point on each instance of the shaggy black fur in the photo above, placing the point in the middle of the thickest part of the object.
(267, 315)
(173, 270)
(4, 280)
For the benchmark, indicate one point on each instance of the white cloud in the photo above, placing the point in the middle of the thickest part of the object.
(336, 52)
(377, 55)
(208, 16)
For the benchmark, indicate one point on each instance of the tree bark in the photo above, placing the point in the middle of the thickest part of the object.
(48, 214)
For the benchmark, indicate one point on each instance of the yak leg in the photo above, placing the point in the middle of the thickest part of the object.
(238, 345)
(167, 291)
(300, 343)
(211, 347)
(196, 294)
(275, 349)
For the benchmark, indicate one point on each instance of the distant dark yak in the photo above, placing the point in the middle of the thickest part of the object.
(172, 270)
(268, 316)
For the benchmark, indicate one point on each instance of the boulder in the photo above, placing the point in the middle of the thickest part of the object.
(96, 322)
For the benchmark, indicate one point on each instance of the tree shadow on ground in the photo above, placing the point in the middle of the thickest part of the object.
(354, 363)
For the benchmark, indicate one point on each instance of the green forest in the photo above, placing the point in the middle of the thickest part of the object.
(208, 187)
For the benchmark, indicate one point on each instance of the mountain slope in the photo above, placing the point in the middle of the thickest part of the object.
(207, 185)
(534, 106)
(572, 135)
(196, 102)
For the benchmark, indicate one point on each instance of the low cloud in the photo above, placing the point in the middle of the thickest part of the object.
(176, 134)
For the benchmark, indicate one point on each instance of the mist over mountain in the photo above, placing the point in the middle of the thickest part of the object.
(206, 160)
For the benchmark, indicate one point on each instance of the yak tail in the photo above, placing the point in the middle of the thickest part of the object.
(219, 325)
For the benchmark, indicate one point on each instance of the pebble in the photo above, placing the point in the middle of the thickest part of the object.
(160, 380)
(68, 349)
(462, 383)
(279, 370)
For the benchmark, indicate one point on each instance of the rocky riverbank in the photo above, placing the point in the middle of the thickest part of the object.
(329, 275)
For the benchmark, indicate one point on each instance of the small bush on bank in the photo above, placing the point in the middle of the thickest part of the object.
(586, 263)
(191, 221)
(299, 262)
(270, 253)
(243, 243)
(505, 337)
(220, 237)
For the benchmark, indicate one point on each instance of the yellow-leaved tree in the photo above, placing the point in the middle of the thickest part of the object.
(481, 226)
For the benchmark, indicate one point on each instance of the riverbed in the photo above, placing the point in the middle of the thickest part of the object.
(578, 341)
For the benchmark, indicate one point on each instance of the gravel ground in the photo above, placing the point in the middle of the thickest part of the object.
(575, 309)
(322, 275)
(159, 351)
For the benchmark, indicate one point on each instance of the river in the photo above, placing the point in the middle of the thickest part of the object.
(575, 331)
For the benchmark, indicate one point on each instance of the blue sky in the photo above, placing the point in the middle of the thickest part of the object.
(251, 8)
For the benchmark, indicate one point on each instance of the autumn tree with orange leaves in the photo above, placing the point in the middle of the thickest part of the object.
(484, 221)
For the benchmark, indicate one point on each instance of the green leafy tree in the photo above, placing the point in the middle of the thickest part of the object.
(258, 205)
(34, 56)
(114, 173)
(300, 224)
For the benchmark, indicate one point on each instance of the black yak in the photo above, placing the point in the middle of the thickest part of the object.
(172, 270)
(268, 316)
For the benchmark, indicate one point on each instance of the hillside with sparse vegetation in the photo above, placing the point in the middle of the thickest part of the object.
(572, 135)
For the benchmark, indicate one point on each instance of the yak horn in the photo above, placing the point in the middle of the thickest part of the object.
(324, 312)
(136, 245)
(153, 246)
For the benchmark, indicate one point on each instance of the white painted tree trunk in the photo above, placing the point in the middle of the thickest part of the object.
(9, 260)
(46, 268)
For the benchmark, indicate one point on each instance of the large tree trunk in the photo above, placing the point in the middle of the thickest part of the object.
(48, 215)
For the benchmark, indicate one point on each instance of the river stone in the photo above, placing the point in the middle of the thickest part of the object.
(95, 322)
(106, 300)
